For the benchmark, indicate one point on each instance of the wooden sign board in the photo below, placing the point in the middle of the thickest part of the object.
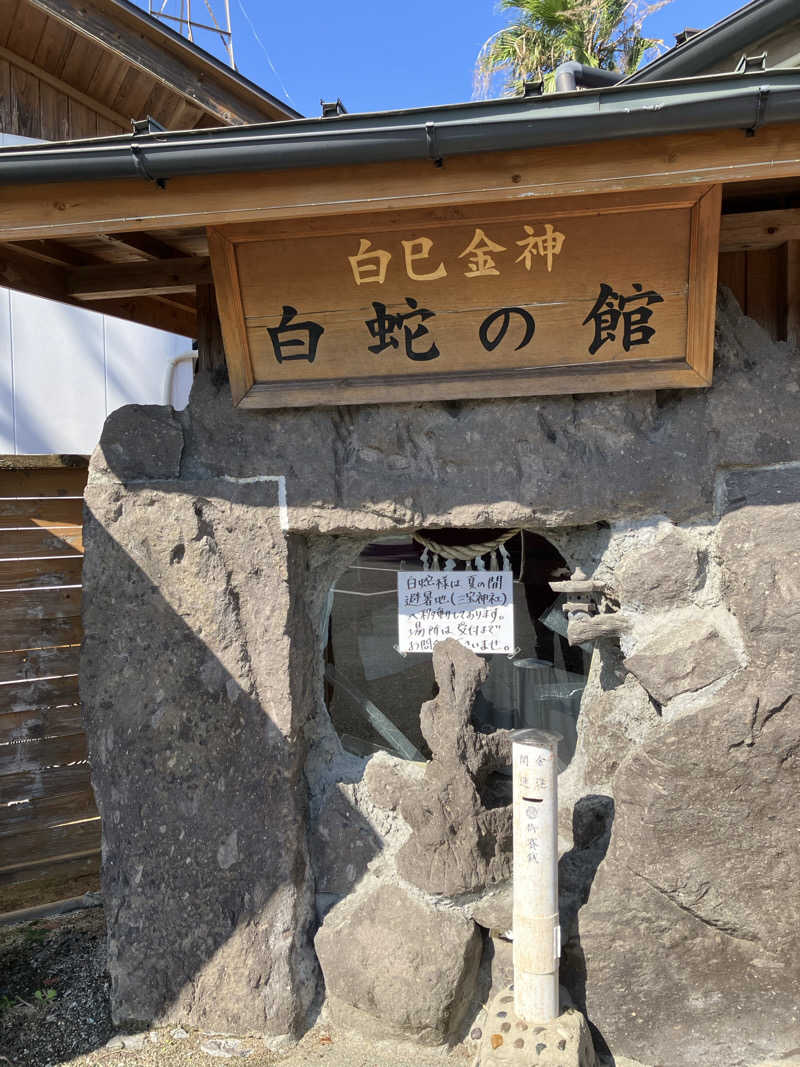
(586, 294)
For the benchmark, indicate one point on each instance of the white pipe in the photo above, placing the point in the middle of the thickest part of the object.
(169, 374)
(537, 935)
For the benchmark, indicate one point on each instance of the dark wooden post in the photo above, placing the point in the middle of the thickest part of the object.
(210, 350)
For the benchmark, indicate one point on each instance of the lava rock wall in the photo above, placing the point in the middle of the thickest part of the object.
(235, 827)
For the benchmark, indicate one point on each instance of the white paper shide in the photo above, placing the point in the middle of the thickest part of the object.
(474, 607)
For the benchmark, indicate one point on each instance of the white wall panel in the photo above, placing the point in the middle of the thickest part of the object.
(6, 376)
(63, 370)
(59, 376)
(137, 359)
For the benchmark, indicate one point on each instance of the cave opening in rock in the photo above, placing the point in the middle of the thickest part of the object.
(374, 693)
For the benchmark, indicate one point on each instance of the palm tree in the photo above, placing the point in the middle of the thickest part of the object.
(545, 33)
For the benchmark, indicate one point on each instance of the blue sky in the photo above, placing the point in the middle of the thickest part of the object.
(378, 55)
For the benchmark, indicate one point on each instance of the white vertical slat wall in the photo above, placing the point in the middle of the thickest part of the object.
(63, 370)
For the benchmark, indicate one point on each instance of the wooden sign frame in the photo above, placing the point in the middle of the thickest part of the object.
(689, 368)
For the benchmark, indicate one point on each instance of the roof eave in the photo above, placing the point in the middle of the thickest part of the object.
(195, 57)
(618, 113)
(734, 33)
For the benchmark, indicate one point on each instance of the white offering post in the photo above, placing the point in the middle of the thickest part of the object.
(537, 935)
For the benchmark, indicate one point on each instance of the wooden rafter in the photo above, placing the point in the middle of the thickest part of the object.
(57, 252)
(31, 273)
(144, 244)
(759, 229)
(146, 278)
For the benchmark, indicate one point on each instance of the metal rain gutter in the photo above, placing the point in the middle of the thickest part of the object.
(737, 32)
(721, 101)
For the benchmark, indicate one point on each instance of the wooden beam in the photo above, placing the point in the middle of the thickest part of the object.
(758, 230)
(147, 278)
(70, 208)
(147, 246)
(210, 350)
(123, 36)
(793, 292)
(149, 311)
(766, 289)
(55, 252)
(30, 274)
(63, 87)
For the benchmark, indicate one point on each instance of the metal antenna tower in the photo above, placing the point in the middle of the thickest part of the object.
(178, 14)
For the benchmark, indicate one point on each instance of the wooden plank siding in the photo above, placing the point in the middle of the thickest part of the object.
(49, 825)
(763, 286)
(39, 105)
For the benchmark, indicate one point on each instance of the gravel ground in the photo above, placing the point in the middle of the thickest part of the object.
(321, 1046)
(54, 1012)
(53, 989)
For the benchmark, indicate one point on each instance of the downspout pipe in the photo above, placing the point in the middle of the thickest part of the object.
(573, 75)
(169, 374)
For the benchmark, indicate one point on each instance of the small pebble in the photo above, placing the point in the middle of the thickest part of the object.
(561, 1046)
(506, 1000)
(540, 1048)
(179, 1033)
(134, 1041)
(522, 1026)
(502, 1014)
(497, 1040)
(281, 1043)
(225, 1049)
(519, 1043)
(476, 1034)
(505, 1027)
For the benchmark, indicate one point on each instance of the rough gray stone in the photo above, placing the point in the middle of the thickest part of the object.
(540, 461)
(501, 962)
(193, 699)
(387, 780)
(661, 575)
(140, 444)
(761, 487)
(397, 965)
(494, 909)
(758, 547)
(200, 674)
(616, 714)
(457, 844)
(581, 628)
(342, 843)
(689, 946)
(684, 652)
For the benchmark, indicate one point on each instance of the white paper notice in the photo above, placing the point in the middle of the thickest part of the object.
(474, 607)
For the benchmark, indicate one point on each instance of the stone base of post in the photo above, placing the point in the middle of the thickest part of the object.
(504, 1039)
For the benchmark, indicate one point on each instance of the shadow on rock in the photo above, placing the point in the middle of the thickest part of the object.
(592, 819)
